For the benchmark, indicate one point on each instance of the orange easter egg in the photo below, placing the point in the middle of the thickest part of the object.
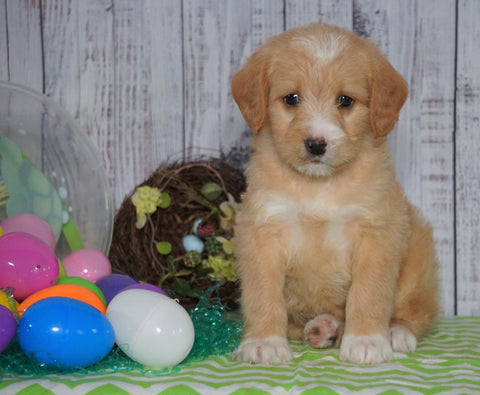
(72, 291)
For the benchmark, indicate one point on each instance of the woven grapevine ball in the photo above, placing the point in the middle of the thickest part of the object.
(135, 251)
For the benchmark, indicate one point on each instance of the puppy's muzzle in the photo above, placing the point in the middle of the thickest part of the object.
(315, 147)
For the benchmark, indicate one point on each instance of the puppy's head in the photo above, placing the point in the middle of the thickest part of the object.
(318, 92)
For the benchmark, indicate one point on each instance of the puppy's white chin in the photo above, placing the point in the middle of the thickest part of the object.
(315, 169)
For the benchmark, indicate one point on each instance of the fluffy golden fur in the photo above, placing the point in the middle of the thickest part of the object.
(328, 247)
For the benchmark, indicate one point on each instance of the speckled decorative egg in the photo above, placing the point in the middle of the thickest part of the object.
(193, 243)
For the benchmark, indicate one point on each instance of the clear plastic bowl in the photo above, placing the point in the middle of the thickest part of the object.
(50, 168)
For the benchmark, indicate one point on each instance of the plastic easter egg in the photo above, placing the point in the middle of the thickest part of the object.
(65, 333)
(8, 301)
(151, 328)
(72, 291)
(148, 287)
(88, 263)
(31, 224)
(193, 243)
(84, 283)
(112, 284)
(27, 264)
(8, 327)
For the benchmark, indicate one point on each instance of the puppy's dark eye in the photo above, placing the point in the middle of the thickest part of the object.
(345, 101)
(292, 99)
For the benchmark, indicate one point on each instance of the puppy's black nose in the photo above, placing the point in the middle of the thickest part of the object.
(316, 147)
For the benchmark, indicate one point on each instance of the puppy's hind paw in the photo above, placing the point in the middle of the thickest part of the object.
(270, 350)
(366, 349)
(402, 339)
(322, 331)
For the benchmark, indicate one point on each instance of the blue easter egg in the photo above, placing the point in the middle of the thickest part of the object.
(193, 243)
(65, 333)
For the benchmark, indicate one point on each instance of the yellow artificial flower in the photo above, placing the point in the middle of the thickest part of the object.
(223, 266)
(146, 199)
(228, 211)
(227, 245)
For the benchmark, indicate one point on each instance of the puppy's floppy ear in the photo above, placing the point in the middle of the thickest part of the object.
(250, 91)
(388, 93)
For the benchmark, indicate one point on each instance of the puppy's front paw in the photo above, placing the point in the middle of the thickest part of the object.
(322, 331)
(365, 349)
(402, 339)
(273, 349)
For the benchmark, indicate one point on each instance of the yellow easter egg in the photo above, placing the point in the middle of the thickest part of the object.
(8, 301)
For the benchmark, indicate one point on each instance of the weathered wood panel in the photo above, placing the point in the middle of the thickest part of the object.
(4, 74)
(61, 54)
(96, 79)
(132, 156)
(268, 19)
(467, 158)
(215, 33)
(167, 85)
(147, 90)
(203, 32)
(302, 12)
(24, 51)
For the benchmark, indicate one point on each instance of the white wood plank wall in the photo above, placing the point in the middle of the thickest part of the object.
(149, 80)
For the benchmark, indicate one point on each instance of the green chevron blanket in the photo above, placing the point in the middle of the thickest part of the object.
(446, 362)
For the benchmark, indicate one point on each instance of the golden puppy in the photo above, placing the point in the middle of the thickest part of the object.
(328, 247)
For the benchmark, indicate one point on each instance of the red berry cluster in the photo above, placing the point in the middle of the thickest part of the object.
(205, 229)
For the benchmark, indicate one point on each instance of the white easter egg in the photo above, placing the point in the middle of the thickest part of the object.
(151, 328)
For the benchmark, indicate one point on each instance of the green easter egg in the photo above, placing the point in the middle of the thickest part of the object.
(84, 283)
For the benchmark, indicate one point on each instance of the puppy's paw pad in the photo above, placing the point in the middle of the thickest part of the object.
(270, 350)
(402, 339)
(366, 349)
(322, 331)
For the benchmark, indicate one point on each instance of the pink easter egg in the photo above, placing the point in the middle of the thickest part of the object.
(88, 263)
(31, 224)
(27, 264)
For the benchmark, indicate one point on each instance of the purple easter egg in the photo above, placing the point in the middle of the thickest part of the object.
(148, 287)
(8, 327)
(113, 283)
